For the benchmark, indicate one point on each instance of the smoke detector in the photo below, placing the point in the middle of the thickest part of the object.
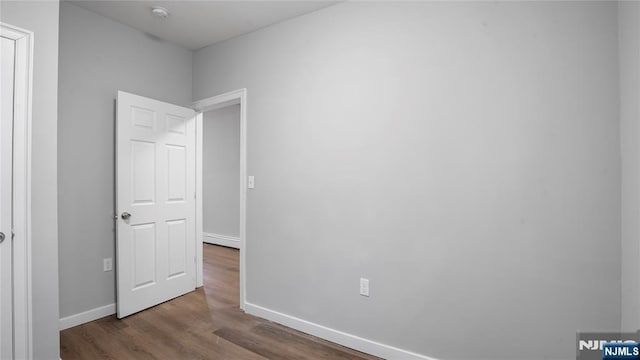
(160, 12)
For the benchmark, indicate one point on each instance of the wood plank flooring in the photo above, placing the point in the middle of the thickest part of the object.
(204, 324)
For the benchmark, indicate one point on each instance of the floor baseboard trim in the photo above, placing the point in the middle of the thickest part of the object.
(219, 239)
(336, 336)
(87, 316)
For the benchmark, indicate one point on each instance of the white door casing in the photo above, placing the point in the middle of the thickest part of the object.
(16, 111)
(155, 184)
(6, 174)
(230, 98)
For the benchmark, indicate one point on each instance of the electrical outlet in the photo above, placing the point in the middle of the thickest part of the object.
(364, 287)
(107, 264)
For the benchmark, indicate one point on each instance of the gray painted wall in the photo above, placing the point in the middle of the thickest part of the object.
(42, 19)
(98, 57)
(462, 156)
(221, 171)
(629, 25)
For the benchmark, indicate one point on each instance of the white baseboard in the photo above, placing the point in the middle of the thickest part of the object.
(87, 316)
(336, 336)
(224, 240)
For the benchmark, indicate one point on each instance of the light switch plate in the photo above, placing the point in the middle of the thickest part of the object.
(251, 182)
(364, 287)
(107, 264)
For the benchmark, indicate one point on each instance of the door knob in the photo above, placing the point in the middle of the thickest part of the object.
(1, 237)
(125, 215)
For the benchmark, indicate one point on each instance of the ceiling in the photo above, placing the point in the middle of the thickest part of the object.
(195, 24)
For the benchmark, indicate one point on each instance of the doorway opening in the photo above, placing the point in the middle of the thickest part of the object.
(221, 176)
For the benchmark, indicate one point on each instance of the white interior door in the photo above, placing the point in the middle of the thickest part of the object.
(7, 51)
(155, 165)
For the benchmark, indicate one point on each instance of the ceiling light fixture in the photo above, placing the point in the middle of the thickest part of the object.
(160, 12)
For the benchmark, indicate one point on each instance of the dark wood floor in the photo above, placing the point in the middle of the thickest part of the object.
(204, 324)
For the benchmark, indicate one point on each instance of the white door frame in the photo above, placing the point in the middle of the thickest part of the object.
(201, 106)
(22, 329)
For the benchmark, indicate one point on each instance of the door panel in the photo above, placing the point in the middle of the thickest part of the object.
(156, 185)
(177, 242)
(144, 255)
(143, 173)
(177, 163)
